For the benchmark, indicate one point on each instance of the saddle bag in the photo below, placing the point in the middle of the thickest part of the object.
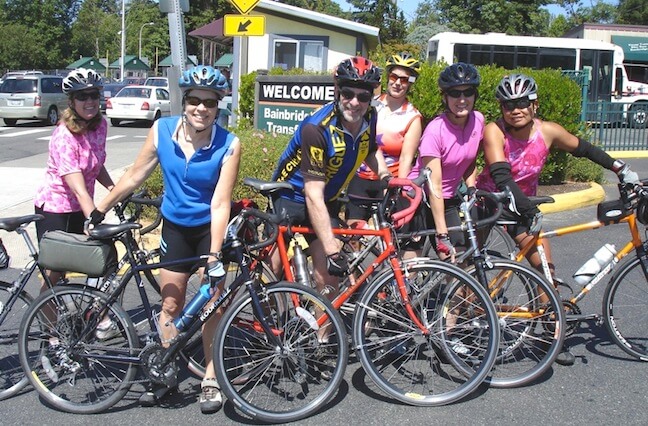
(63, 251)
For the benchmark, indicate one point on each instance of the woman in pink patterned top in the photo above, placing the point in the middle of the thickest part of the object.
(77, 152)
(516, 148)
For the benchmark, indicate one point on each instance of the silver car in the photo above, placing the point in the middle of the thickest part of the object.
(138, 103)
(32, 97)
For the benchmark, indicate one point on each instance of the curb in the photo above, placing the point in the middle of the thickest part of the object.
(574, 200)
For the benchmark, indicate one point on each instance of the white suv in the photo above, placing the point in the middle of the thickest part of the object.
(32, 97)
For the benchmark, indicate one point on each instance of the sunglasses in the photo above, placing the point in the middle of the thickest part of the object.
(349, 94)
(403, 79)
(455, 93)
(195, 101)
(516, 104)
(85, 96)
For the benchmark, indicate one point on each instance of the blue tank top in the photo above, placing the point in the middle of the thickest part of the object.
(332, 154)
(189, 183)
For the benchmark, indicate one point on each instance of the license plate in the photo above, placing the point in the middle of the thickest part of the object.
(14, 103)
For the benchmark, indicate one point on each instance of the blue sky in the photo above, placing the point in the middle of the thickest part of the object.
(409, 7)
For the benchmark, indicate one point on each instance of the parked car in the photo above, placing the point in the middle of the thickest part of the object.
(32, 97)
(133, 80)
(157, 81)
(138, 103)
(109, 90)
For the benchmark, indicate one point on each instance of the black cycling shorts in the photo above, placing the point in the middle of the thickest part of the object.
(68, 222)
(181, 242)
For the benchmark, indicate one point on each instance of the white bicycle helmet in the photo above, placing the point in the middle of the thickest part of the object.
(81, 79)
(516, 86)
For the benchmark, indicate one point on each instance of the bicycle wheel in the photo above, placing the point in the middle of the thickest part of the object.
(624, 308)
(531, 319)
(70, 368)
(419, 368)
(12, 377)
(290, 379)
(500, 243)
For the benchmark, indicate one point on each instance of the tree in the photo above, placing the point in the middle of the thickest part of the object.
(481, 16)
(328, 7)
(383, 14)
(632, 12)
(599, 12)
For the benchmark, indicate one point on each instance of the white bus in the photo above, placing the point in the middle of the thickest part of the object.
(604, 62)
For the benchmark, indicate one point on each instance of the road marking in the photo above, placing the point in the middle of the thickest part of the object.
(24, 132)
(109, 138)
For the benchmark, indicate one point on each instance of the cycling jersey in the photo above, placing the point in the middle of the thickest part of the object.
(391, 128)
(526, 157)
(333, 154)
(189, 183)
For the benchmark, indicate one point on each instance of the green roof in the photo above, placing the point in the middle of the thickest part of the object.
(168, 61)
(131, 63)
(225, 61)
(85, 62)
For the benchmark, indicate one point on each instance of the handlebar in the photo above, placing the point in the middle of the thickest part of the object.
(139, 200)
(403, 216)
(270, 220)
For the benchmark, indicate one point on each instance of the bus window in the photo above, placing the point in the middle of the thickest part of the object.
(557, 58)
(504, 56)
(527, 57)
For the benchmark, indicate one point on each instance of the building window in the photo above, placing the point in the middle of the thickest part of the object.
(308, 53)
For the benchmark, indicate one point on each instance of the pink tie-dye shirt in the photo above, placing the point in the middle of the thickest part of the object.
(526, 157)
(70, 153)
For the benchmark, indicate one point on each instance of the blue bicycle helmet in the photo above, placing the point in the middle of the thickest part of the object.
(204, 77)
(459, 74)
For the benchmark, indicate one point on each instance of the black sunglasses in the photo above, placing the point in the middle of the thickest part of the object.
(516, 104)
(87, 95)
(455, 93)
(195, 101)
(349, 94)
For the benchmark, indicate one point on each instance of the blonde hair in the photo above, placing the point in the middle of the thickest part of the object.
(77, 125)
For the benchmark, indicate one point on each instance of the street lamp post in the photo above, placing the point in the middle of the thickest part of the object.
(140, 38)
(123, 41)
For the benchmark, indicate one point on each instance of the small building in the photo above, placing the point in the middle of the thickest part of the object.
(633, 39)
(167, 62)
(133, 67)
(89, 62)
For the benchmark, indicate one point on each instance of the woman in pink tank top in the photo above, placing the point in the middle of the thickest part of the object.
(516, 148)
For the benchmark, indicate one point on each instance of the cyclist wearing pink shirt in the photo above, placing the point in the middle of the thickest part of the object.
(449, 148)
(77, 152)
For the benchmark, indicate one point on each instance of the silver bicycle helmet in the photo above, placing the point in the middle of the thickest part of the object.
(516, 86)
(81, 79)
(204, 77)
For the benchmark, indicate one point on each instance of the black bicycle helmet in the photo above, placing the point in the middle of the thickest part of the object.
(516, 86)
(359, 72)
(404, 60)
(459, 74)
(81, 79)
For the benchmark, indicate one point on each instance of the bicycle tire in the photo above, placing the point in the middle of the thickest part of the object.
(72, 370)
(282, 384)
(12, 377)
(532, 330)
(500, 243)
(624, 308)
(414, 367)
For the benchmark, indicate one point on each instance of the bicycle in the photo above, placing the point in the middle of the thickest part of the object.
(75, 372)
(411, 316)
(624, 298)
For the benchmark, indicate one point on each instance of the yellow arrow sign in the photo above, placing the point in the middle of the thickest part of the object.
(244, 25)
(244, 6)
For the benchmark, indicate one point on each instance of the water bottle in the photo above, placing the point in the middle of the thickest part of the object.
(300, 265)
(199, 300)
(601, 258)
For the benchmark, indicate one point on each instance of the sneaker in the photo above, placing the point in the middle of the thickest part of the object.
(565, 357)
(210, 399)
(154, 395)
(459, 347)
(107, 330)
